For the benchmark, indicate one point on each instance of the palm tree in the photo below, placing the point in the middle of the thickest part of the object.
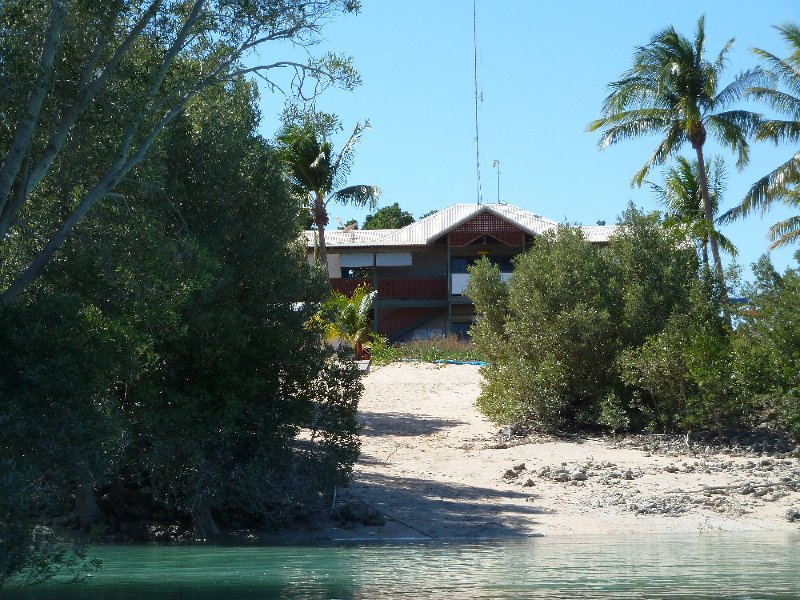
(782, 183)
(348, 318)
(318, 174)
(683, 199)
(673, 91)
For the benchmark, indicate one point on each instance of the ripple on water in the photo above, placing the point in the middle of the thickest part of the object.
(735, 566)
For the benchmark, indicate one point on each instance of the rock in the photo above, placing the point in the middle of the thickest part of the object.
(627, 474)
(579, 476)
(561, 477)
(528, 483)
(746, 489)
(519, 467)
(792, 515)
(510, 474)
(510, 431)
(670, 468)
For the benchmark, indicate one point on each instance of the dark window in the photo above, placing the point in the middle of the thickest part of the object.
(459, 264)
(460, 330)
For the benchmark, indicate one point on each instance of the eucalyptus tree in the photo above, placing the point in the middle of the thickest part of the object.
(317, 173)
(673, 91)
(681, 194)
(136, 63)
(780, 184)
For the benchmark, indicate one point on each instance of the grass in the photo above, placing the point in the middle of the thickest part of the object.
(446, 348)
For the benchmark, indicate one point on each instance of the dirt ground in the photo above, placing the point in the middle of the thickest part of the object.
(433, 467)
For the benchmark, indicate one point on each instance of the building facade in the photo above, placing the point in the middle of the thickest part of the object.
(420, 271)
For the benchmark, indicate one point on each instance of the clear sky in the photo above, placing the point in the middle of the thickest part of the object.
(543, 70)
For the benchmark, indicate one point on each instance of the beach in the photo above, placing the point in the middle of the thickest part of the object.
(433, 467)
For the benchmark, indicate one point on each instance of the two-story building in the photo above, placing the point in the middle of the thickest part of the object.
(420, 271)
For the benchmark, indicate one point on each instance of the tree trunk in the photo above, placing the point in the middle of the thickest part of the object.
(704, 251)
(321, 220)
(203, 522)
(86, 509)
(709, 214)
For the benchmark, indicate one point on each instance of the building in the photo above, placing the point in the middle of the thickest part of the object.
(420, 271)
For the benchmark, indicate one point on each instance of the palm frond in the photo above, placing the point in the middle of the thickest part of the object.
(668, 146)
(627, 128)
(730, 129)
(773, 186)
(778, 131)
(344, 160)
(779, 69)
(740, 87)
(782, 102)
(726, 244)
(358, 195)
(784, 232)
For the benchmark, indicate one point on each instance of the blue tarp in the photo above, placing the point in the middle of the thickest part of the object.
(478, 363)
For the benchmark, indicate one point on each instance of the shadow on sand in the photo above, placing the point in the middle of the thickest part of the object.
(437, 509)
(401, 424)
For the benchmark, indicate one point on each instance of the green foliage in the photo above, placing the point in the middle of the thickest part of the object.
(96, 84)
(766, 358)
(165, 354)
(572, 339)
(780, 184)
(318, 175)
(682, 374)
(548, 355)
(489, 293)
(388, 217)
(347, 318)
(632, 336)
(682, 195)
(430, 351)
(671, 90)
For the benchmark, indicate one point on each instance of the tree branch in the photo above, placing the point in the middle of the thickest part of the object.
(21, 142)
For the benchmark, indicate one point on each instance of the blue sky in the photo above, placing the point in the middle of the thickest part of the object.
(543, 70)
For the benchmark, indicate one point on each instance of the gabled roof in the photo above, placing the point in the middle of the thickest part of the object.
(434, 226)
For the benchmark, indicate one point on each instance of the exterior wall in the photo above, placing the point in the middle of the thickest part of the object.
(425, 297)
(334, 268)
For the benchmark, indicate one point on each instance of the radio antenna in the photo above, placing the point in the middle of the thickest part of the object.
(477, 97)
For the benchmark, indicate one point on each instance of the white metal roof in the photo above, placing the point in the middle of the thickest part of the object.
(432, 227)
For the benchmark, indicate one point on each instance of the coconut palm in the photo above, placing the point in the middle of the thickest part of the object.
(680, 193)
(673, 91)
(782, 183)
(348, 318)
(318, 174)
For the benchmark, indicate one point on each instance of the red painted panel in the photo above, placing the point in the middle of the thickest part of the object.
(347, 285)
(487, 224)
(413, 287)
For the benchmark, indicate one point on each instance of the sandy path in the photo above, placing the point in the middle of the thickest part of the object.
(431, 464)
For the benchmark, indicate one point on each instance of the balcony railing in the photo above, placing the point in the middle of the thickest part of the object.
(397, 288)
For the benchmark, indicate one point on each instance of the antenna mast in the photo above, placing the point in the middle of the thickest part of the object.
(475, 78)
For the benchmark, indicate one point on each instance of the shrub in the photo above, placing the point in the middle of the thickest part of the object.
(439, 349)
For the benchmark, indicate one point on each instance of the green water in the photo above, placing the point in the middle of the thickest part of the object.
(740, 566)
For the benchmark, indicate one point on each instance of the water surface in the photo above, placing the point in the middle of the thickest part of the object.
(735, 566)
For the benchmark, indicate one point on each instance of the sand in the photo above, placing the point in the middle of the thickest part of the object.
(432, 466)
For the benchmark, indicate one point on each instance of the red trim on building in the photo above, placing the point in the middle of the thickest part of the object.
(347, 285)
(487, 224)
(397, 287)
